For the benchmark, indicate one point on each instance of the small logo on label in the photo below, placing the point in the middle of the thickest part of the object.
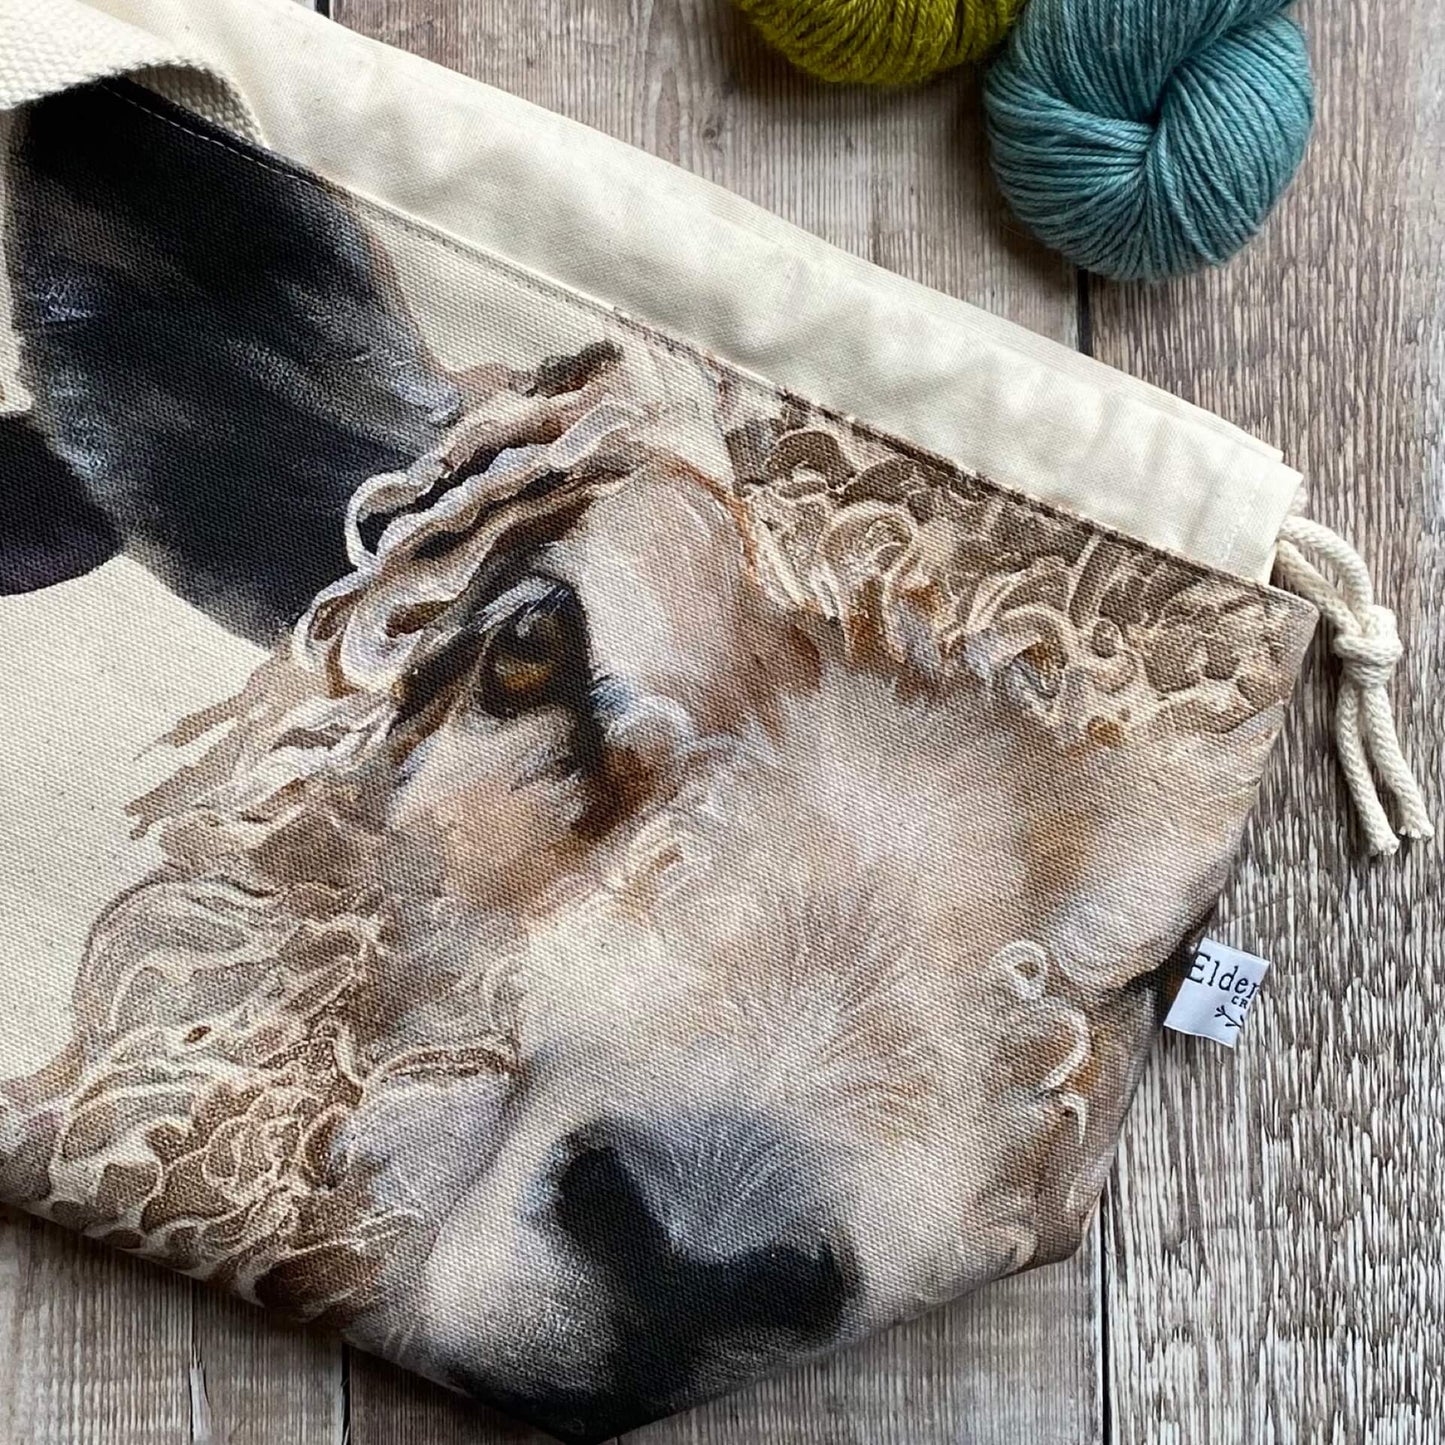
(1214, 1001)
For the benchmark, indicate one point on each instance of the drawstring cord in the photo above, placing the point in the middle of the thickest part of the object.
(1325, 570)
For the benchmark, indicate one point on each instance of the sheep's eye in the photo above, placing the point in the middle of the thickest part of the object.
(536, 649)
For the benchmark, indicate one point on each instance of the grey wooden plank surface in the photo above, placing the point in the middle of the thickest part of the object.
(106, 1350)
(97, 1347)
(1273, 1242)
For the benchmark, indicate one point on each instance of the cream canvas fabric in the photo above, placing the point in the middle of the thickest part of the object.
(595, 871)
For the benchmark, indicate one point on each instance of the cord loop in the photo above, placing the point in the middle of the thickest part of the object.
(1325, 570)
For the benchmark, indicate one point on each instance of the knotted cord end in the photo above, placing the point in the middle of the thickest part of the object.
(1367, 643)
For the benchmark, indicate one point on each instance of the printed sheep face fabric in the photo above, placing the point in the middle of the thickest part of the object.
(588, 874)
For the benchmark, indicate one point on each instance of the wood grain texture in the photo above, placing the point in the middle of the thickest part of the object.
(104, 1350)
(97, 1346)
(254, 1381)
(1274, 1266)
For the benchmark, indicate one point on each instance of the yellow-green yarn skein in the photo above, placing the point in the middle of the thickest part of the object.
(881, 42)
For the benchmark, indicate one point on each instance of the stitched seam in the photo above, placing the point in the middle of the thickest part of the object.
(293, 173)
(479, 258)
(1240, 515)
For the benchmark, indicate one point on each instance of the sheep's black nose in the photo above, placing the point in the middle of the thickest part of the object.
(708, 1227)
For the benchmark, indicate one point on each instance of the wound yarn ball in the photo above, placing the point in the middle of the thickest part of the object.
(1147, 138)
(881, 42)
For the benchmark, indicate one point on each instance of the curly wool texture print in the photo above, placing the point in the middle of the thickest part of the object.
(693, 880)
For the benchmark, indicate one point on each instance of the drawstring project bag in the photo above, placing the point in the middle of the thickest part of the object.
(600, 796)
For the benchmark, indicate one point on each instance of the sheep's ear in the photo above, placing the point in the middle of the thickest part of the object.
(215, 347)
(50, 531)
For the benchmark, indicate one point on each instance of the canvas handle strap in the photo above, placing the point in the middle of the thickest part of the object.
(1323, 568)
(48, 46)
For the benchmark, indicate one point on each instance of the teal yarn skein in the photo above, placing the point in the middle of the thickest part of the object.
(1147, 138)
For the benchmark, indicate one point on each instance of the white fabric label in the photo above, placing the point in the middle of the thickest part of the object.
(1215, 999)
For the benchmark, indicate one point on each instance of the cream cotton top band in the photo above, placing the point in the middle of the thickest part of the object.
(662, 245)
